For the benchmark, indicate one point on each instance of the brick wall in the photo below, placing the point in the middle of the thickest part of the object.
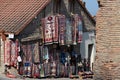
(107, 64)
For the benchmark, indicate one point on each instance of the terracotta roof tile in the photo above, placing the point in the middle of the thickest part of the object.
(16, 14)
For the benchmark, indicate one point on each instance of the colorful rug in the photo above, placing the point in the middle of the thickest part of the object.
(7, 54)
(80, 30)
(75, 24)
(13, 55)
(68, 32)
(36, 52)
(50, 28)
(61, 24)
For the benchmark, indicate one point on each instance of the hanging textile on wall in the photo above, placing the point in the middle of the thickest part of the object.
(24, 48)
(68, 31)
(77, 29)
(80, 30)
(27, 59)
(11, 52)
(75, 23)
(7, 54)
(17, 50)
(61, 24)
(36, 52)
(13, 55)
(45, 53)
(29, 53)
(35, 70)
(50, 29)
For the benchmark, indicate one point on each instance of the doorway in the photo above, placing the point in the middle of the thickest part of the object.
(90, 48)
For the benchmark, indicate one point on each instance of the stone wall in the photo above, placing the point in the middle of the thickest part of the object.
(107, 63)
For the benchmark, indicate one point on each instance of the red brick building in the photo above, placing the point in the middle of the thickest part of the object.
(107, 65)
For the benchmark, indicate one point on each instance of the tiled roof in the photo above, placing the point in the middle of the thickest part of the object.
(16, 14)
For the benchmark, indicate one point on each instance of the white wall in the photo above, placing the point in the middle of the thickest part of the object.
(88, 38)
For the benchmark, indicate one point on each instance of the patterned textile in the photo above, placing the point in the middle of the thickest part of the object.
(75, 23)
(53, 68)
(61, 24)
(50, 28)
(47, 69)
(45, 53)
(80, 31)
(27, 60)
(27, 69)
(13, 55)
(41, 70)
(66, 71)
(36, 52)
(68, 34)
(7, 54)
(29, 53)
(58, 69)
(17, 50)
(35, 70)
(72, 70)
(62, 57)
(24, 48)
(62, 70)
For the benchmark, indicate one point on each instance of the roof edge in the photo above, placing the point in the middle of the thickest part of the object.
(85, 9)
(30, 19)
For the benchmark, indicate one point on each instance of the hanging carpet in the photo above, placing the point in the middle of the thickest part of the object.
(61, 24)
(50, 29)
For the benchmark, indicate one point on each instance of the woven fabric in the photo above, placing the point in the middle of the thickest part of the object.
(7, 54)
(13, 55)
(29, 53)
(36, 52)
(80, 30)
(24, 48)
(68, 32)
(17, 49)
(47, 69)
(35, 70)
(75, 24)
(61, 24)
(27, 69)
(53, 68)
(50, 28)
(45, 53)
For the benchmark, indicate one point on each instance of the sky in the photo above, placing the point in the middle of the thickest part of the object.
(92, 6)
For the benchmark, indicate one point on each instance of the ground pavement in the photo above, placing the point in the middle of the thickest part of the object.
(3, 77)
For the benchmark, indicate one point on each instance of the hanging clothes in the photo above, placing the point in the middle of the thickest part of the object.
(61, 24)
